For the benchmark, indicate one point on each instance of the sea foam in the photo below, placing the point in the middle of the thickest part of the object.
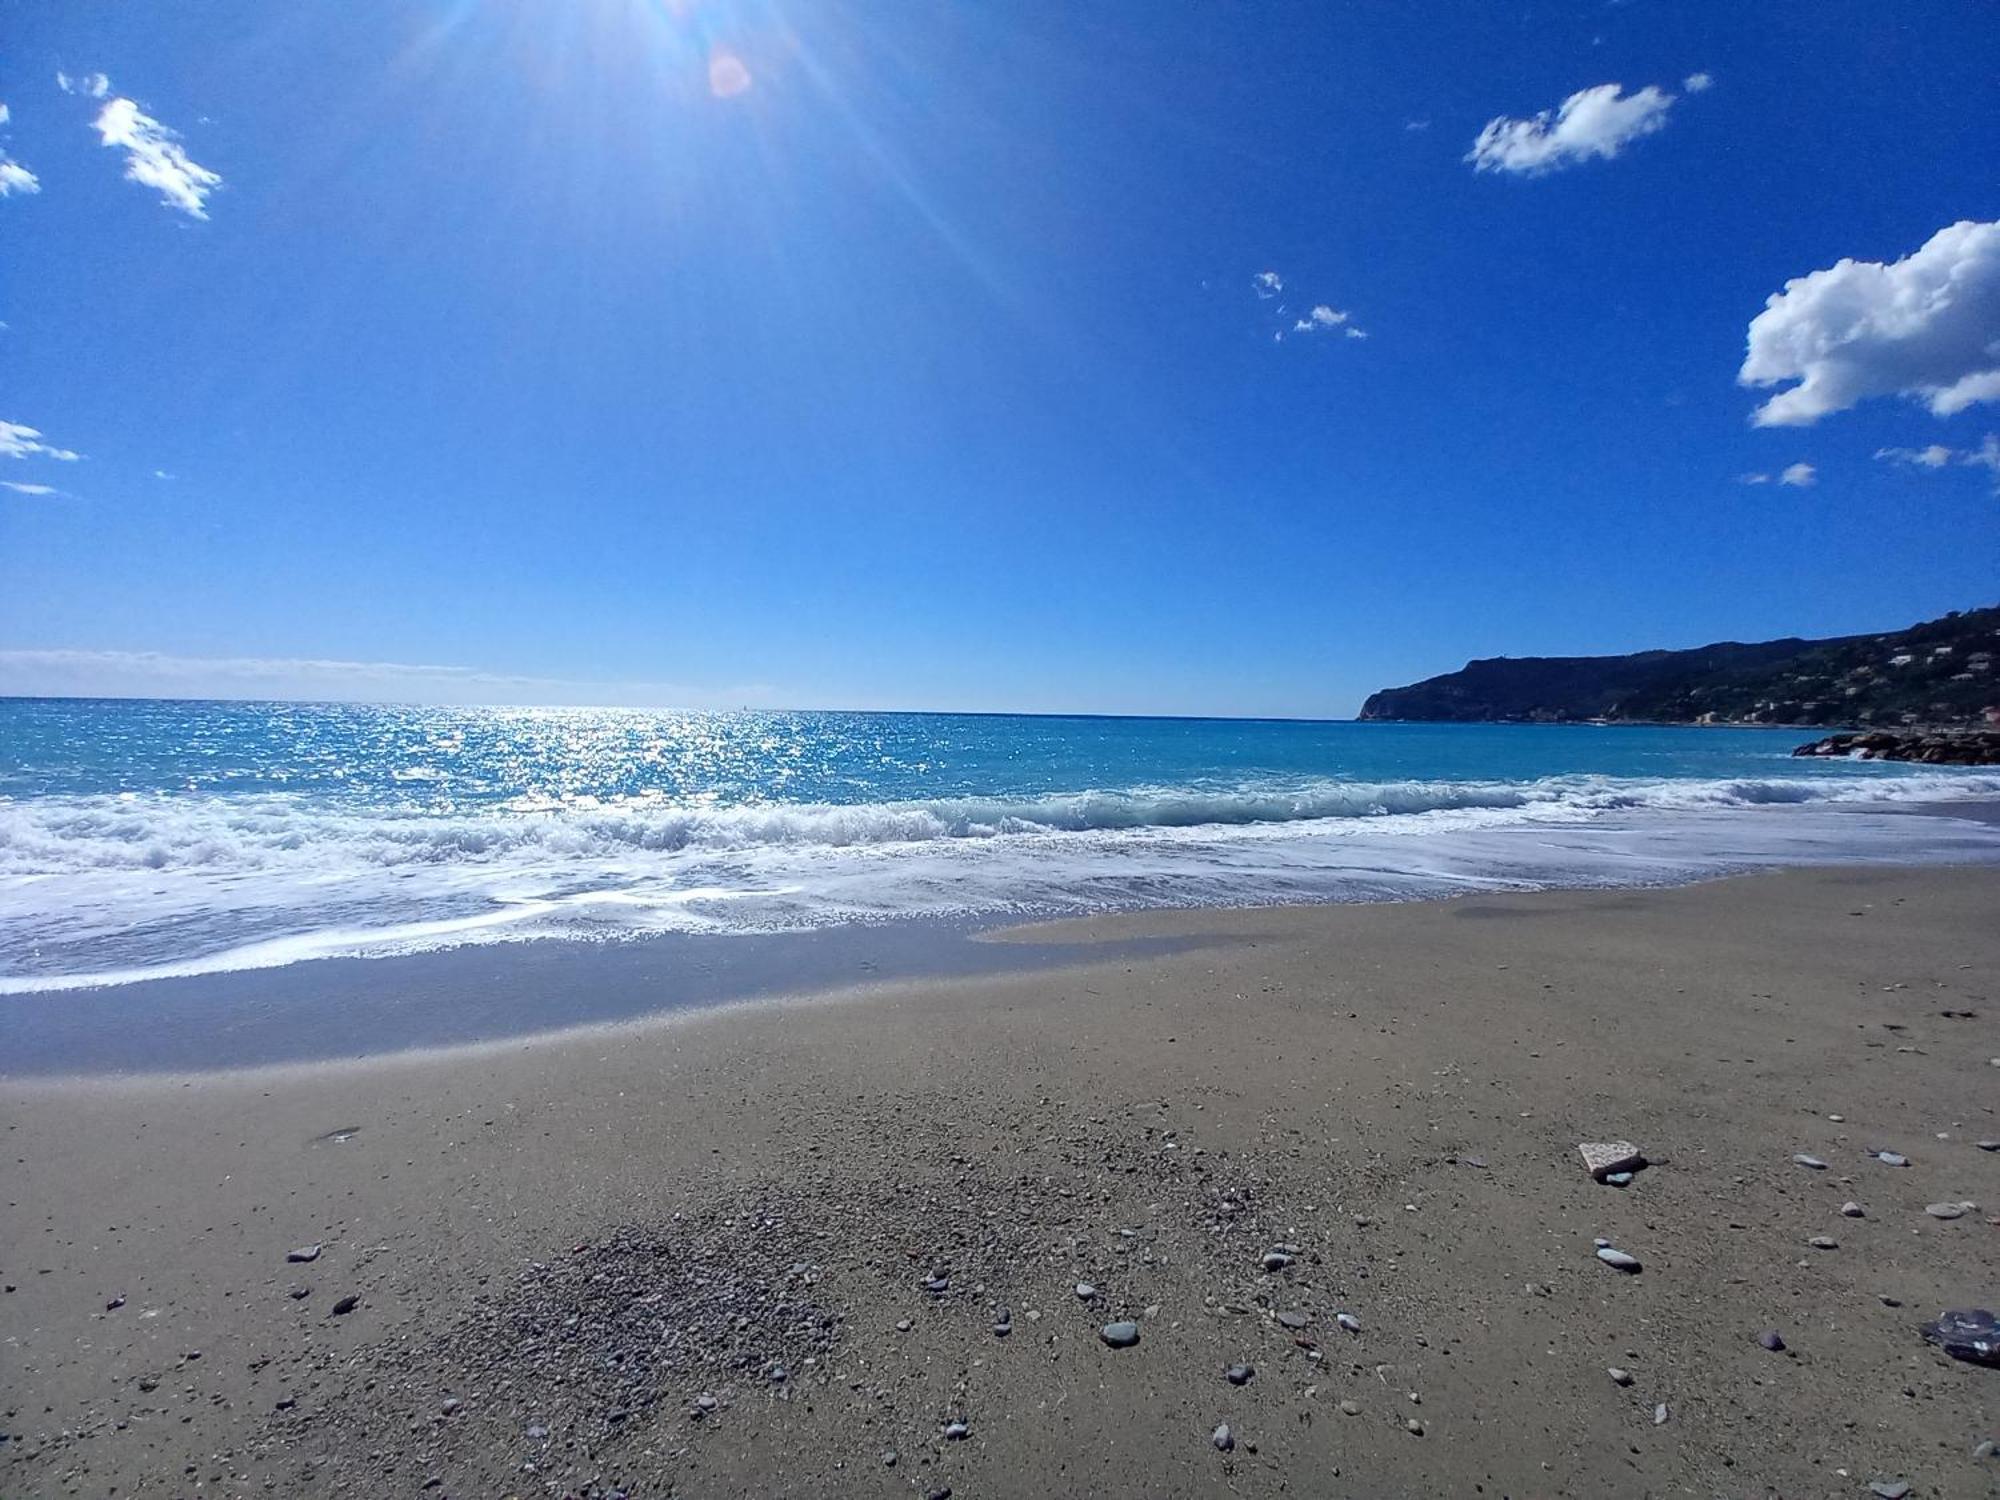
(108, 888)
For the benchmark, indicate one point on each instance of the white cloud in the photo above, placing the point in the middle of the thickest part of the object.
(17, 441)
(122, 674)
(1800, 476)
(1355, 333)
(154, 158)
(1268, 284)
(1936, 456)
(1926, 326)
(1592, 122)
(14, 178)
(90, 85)
(1416, 124)
(1697, 83)
(1986, 456)
(1753, 478)
(1320, 317)
(28, 489)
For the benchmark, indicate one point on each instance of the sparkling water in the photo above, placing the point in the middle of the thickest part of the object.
(142, 838)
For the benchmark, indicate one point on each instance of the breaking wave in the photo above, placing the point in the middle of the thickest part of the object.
(61, 835)
(112, 888)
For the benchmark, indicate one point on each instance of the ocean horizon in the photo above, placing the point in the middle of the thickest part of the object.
(155, 838)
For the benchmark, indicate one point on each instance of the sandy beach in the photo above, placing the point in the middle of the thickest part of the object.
(836, 1246)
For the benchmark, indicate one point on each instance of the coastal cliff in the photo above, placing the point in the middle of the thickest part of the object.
(1941, 672)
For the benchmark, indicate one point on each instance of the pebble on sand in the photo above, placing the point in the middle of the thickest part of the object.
(1891, 1158)
(1122, 1335)
(1618, 1376)
(1811, 1162)
(1602, 1158)
(1239, 1374)
(1771, 1339)
(1660, 1415)
(1085, 1290)
(1824, 1242)
(1852, 1210)
(1348, 1321)
(1618, 1260)
(1222, 1437)
(1351, 1408)
(304, 1255)
(1276, 1260)
(956, 1431)
(1947, 1210)
(1413, 1427)
(1890, 1489)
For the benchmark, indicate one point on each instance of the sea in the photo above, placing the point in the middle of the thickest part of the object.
(149, 839)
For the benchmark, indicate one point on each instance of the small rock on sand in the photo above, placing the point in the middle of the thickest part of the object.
(1121, 1335)
(1811, 1162)
(1348, 1321)
(1824, 1242)
(1771, 1339)
(304, 1255)
(1413, 1427)
(1853, 1210)
(1946, 1210)
(1891, 1158)
(1293, 1320)
(1351, 1408)
(344, 1306)
(1890, 1489)
(1276, 1260)
(1660, 1415)
(1085, 1290)
(1222, 1437)
(1239, 1374)
(956, 1432)
(1618, 1376)
(1618, 1260)
(1602, 1158)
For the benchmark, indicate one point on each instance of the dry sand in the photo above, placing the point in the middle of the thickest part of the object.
(559, 1246)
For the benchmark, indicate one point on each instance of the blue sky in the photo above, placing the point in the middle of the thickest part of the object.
(918, 355)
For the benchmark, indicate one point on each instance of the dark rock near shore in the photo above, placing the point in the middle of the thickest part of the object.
(1931, 747)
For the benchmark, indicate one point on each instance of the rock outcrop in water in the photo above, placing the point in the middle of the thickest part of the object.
(1934, 747)
(1942, 672)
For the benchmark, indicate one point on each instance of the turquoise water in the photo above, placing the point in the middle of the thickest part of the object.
(142, 838)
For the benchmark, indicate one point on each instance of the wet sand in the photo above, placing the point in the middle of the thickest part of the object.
(759, 1249)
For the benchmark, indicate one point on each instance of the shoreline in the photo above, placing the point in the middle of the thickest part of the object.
(1394, 1091)
(493, 994)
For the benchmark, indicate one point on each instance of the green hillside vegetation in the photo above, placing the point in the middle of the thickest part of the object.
(1940, 672)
